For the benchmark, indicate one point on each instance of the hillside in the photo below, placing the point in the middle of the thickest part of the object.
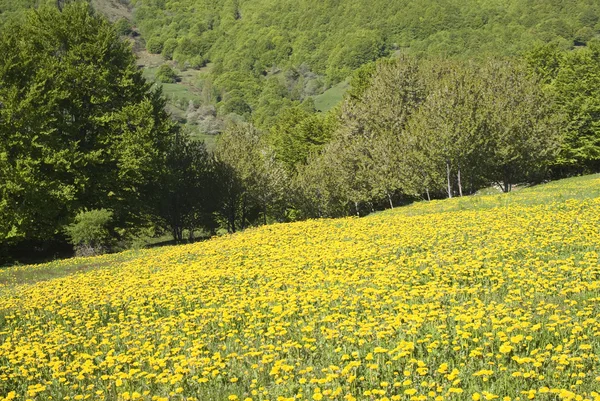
(482, 297)
(266, 56)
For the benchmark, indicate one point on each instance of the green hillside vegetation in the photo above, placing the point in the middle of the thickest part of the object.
(274, 52)
(302, 143)
(267, 55)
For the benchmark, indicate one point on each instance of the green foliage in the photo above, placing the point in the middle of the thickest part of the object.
(361, 80)
(253, 182)
(169, 48)
(154, 45)
(423, 127)
(189, 195)
(165, 74)
(123, 26)
(574, 79)
(298, 133)
(80, 127)
(327, 41)
(89, 233)
(330, 40)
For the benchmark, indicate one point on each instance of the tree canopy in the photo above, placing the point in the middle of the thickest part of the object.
(305, 46)
(79, 126)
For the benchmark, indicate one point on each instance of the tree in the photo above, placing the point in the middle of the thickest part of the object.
(486, 123)
(79, 126)
(297, 133)
(255, 183)
(166, 75)
(521, 124)
(89, 233)
(448, 126)
(123, 27)
(154, 45)
(169, 48)
(189, 195)
(577, 88)
(374, 124)
(573, 80)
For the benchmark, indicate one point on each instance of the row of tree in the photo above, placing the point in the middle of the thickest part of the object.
(420, 128)
(88, 153)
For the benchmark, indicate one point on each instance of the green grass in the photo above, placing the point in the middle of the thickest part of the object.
(112, 9)
(331, 97)
(178, 94)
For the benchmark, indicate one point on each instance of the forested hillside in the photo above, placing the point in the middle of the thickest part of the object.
(265, 53)
(426, 100)
(248, 59)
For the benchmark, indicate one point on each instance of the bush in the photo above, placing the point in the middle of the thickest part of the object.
(89, 233)
(154, 45)
(123, 27)
(166, 75)
(169, 48)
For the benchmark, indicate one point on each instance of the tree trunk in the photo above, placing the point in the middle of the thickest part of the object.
(356, 207)
(428, 197)
(390, 199)
(319, 211)
(506, 182)
(459, 183)
(243, 224)
(265, 214)
(448, 178)
(232, 217)
(178, 233)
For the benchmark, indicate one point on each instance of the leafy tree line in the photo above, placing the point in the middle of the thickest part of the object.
(89, 155)
(422, 128)
(573, 79)
(87, 151)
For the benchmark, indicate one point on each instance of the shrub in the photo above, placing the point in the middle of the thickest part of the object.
(123, 27)
(89, 233)
(154, 45)
(165, 74)
(169, 48)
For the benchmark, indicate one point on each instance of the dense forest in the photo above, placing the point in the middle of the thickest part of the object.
(443, 98)
(264, 55)
(248, 59)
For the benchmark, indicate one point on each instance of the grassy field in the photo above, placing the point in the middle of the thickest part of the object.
(479, 298)
(331, 97)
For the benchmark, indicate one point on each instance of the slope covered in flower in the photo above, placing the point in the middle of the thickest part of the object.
(493, 297)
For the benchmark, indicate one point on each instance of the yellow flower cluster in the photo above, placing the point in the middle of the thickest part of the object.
(493, 303)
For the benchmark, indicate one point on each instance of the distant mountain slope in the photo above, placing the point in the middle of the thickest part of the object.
(267, 55)
(334, 37)
(113, 9)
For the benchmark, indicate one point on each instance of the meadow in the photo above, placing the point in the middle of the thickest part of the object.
(478, 298)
